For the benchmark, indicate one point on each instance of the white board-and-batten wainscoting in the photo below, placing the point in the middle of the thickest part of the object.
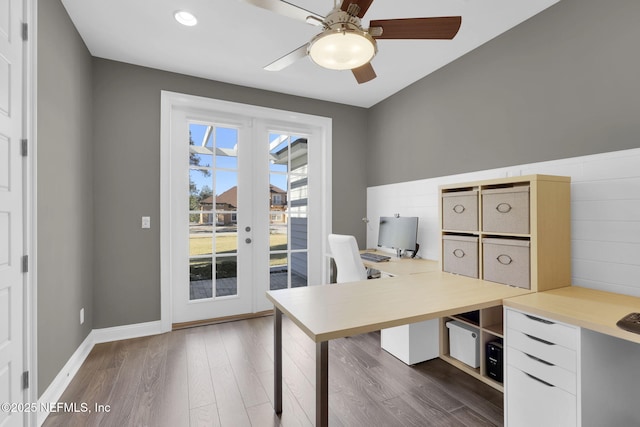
(605, 214)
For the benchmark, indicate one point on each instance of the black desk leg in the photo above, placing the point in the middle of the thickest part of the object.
(322, 384)
(277, 361)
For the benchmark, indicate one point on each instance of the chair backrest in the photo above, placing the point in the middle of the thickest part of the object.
(344, 250)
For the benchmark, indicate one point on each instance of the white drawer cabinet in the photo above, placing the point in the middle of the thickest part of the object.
(542, 371)
(534, 403)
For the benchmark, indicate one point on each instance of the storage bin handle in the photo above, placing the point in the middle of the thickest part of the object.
(458, 209)
(504, 208)
(458, 253)
(504, 259)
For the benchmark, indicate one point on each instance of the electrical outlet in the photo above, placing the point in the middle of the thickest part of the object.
(81, 316)
(146, 222)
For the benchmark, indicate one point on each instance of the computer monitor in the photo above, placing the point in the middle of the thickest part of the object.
(399, 233)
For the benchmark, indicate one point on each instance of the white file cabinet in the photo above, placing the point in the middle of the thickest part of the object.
(542, 371)
(413, 343)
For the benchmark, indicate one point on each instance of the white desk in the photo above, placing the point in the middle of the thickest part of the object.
(328, 312)
(401, 266)
(608, 358)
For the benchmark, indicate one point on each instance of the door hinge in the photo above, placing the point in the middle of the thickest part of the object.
(25, 263)
(24, 147)
(25, 380)
(25, 31)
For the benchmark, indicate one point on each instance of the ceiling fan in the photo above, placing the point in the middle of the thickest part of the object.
(344, 44)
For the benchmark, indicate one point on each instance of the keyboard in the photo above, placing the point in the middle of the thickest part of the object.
(368, 256)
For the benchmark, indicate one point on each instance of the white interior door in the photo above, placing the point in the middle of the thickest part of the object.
(11, 210)
(240, 194)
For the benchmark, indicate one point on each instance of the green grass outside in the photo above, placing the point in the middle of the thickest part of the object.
(201, 245)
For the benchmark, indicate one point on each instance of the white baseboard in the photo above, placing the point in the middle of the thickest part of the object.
(53, 393)
(126, 332)
(59, 384)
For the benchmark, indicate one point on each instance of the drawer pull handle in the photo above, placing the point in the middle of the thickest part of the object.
(504, 208)
(537, 359)
(540, 340)
(539, 380)
(458, 209)
(504, 259)
(458, 253)
(537, 319)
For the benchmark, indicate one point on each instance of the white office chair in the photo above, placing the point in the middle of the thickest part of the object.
(344, 250)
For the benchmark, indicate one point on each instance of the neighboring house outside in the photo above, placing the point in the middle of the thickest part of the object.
(227, 205)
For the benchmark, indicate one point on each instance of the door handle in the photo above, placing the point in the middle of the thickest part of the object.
(247, 240)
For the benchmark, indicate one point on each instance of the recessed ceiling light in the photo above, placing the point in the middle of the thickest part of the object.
(185, 18)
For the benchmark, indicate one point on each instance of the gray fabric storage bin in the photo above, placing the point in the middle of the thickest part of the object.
(506, 210)
(460, 210)
(507, 261)
(460, 255)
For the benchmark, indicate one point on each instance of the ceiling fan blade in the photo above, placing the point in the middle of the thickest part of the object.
(445, 27)
(288, 59)
(287, 9)
(362, 4)
(364, 73)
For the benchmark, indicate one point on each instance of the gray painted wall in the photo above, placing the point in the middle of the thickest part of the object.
(562, 84)
(127, 178)
(65, 191)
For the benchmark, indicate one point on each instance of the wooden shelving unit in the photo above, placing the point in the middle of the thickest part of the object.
(534, 211)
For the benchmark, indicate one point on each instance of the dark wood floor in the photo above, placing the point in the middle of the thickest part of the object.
(222, 375)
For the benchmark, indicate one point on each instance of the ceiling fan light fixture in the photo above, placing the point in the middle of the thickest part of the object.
(342, 49)
(185, 18)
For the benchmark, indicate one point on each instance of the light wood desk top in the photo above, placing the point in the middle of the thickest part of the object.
(401, 266)
(327, 312)
(587, 308)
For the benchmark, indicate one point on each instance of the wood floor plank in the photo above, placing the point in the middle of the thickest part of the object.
(292, 414)
(131, 356)
(174, 403)
(231, 408)
(152, 382)
(222, 376)
(426, 415)
(242, 365)
(199, 374)
(204, 416)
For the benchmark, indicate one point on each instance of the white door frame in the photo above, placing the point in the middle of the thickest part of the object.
(30, 209)
(173, 100)
(28, 231)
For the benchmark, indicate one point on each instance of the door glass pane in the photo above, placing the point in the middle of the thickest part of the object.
(213, 190)
(226, 147)
(200, 240)
(278, 231)
(278, 273)
(288, 201)
(298, 269)
(226, 234)
(226, 276)
(200, 278)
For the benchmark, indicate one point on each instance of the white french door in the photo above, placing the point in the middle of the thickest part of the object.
(243, 211)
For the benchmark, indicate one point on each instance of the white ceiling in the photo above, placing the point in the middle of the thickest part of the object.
(234, 40)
